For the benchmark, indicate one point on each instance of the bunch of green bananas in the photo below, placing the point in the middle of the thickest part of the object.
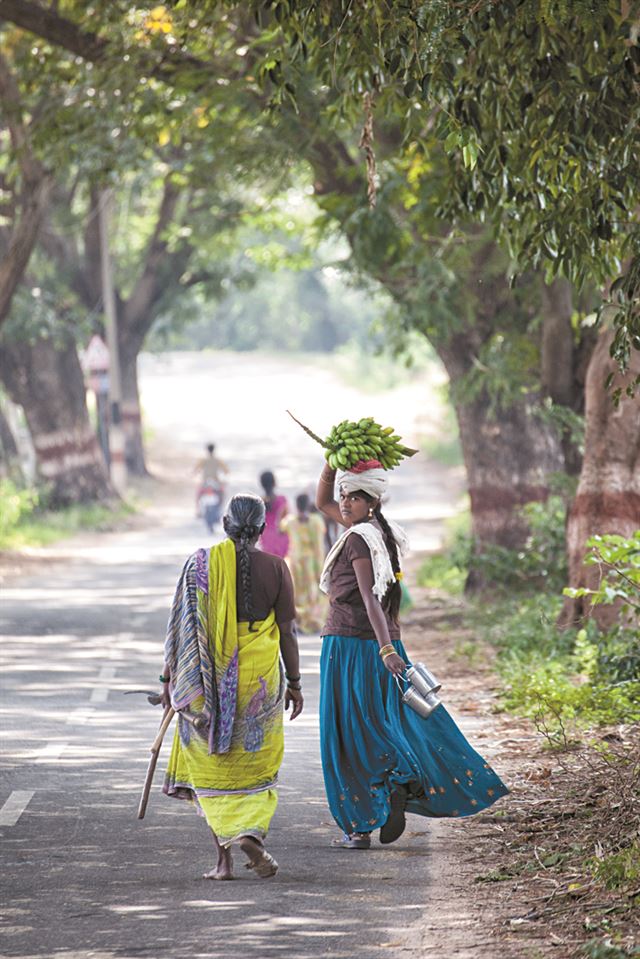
(349, 443)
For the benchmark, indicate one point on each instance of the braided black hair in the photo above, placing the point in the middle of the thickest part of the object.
(393, 596)
(243, 522)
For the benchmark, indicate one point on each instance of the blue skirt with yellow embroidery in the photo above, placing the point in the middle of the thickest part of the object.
(370, 740)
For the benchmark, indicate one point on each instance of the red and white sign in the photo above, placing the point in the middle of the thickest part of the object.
(95, 359)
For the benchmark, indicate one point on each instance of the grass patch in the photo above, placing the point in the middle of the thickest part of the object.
(27, 523)
(597, 949)
(437, 572)
(447, 570)
(561, 679)
(445, 448)
(619, 869)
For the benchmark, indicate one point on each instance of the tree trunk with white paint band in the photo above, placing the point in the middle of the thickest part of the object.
(45, 378)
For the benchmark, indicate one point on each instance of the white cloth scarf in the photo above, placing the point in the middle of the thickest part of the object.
(383, 574)
(373, 481)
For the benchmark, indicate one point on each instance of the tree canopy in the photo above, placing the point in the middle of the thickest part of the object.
(534, 102)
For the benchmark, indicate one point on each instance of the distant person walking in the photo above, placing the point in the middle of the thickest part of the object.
(306, 557)
(379, 758)
(274, 539)
(232, 617)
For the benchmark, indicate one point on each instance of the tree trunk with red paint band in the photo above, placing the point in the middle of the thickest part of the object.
(608, 495)
(45, 378)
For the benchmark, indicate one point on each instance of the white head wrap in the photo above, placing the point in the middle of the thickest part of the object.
(373, 481)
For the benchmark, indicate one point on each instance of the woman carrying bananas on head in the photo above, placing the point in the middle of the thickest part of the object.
(380, 758)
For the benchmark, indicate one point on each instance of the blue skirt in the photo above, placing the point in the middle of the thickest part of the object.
(370, 740)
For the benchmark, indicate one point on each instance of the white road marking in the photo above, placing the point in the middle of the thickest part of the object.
(100, 694)
(49, 752)
(81, 715)
(15, 806)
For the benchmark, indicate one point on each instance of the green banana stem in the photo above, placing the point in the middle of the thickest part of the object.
(309, 432)
(407, 451)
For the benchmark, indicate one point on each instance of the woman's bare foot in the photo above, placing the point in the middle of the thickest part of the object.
(260, 860)
(224, 868)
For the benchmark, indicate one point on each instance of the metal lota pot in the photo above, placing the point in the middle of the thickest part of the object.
(422, 705)
(423, 680)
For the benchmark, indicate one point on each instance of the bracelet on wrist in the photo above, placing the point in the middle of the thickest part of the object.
(295, 686)
(164, 679)
(386, 650)
(292, 679)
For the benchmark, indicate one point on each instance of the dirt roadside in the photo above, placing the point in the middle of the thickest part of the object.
(511, 881)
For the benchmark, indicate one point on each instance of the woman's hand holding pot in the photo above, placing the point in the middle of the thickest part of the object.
(395, 664)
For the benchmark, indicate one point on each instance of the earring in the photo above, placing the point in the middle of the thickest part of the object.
(371, 512)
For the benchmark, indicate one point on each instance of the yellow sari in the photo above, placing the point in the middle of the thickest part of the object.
(305, 560)
(232, 676)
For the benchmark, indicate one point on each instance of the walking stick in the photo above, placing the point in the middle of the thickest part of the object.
(155, 752)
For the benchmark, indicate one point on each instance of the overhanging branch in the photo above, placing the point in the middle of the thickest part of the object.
(65, 33)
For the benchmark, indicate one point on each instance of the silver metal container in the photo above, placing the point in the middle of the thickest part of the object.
(422, 705)
(423, 680)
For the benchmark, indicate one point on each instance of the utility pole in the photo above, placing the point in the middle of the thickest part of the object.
(118, 466)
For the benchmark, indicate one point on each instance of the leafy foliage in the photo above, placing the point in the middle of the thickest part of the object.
(534, 102)
(15, 503)
(618, 559)
(563, 679)
(598, 949)
(541, 563)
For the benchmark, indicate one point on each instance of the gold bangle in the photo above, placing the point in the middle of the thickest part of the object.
(386, 650)
(329, 482)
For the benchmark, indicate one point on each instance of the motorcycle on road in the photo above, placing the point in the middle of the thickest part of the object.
(210, 504)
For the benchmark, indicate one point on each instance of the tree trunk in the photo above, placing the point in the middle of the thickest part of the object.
(131, 416)
(9, 454)
(608, 495)
(30, 195)
(509, 456)
(564, 362)
(46, 380)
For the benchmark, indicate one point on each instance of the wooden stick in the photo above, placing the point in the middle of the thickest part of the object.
(168, 715)
(155, 752)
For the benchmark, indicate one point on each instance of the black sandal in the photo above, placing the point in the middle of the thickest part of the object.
(396, 822)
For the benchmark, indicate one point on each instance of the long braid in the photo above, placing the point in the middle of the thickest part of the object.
(393, 596)
(243, 522)
(244, 566)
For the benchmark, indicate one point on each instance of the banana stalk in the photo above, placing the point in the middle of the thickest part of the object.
(353, 442)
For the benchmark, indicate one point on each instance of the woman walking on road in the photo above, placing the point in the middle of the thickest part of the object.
(274, 539)
(379, 758)
(306, 557)
(232, 617)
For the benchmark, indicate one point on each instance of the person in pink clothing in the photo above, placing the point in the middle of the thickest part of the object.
(273, 539)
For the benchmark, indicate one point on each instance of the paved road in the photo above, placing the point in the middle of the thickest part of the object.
(82, 877)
